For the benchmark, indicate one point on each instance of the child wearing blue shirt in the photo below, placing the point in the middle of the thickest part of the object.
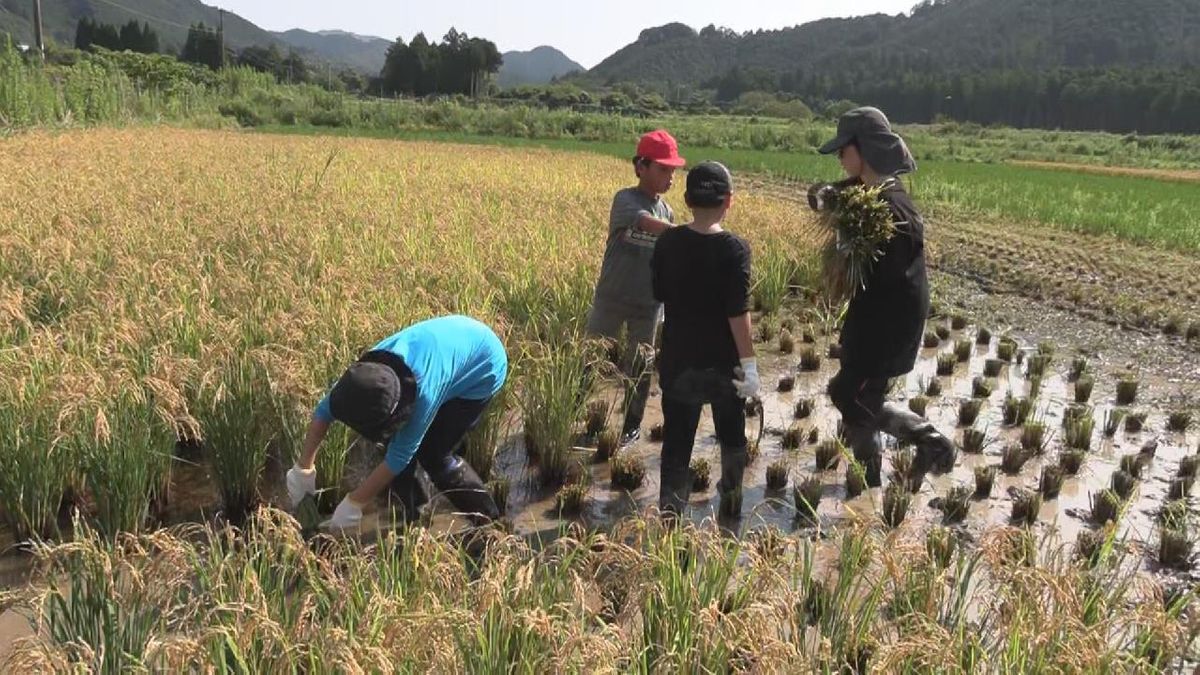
(419, 392)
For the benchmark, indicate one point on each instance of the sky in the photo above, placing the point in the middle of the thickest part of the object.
(588, 31)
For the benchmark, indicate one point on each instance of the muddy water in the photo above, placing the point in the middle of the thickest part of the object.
(534, 512)
(14, 571)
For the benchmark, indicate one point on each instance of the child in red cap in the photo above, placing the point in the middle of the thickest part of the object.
(624, 297)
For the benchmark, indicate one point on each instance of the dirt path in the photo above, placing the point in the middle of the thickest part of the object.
(1176, 175)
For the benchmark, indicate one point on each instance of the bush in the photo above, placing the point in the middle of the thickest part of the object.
(242, 111)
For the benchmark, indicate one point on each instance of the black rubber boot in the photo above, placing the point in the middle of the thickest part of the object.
(935, 452)
(462, 486)
(868, 451)
(408, 491)
(675, 488)
(733, 470)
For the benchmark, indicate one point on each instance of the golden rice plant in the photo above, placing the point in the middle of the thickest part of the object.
(1025, 507)
(1180, 487)
(895, 505)
(858, 229)
(688, 597)
(235, 415)
(571, 499)
(803, 408)
(772, 274)
(985, 478)
(806, 495)
(1127, 389)
(956, 504)
(701, 473)
(856, 478)
(628, 470)
(553, 404)
(35, 463)
(125, 458)
(777, 475)
(918, 404)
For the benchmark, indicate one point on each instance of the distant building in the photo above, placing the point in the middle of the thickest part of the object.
(23, 48)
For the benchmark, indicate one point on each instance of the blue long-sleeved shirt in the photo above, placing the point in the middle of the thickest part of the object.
(451, 357)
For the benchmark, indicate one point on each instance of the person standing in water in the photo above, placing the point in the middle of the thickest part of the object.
(885, 321)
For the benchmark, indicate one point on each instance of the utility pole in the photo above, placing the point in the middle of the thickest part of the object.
(221, 34)
(39, 38)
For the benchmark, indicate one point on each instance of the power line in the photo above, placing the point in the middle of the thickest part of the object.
(155, 18)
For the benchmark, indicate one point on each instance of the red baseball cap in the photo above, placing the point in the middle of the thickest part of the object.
(659, 146)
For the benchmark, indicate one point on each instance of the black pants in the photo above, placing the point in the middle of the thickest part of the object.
(438, 455)
(861, 401)
(684, 398)
(858, 398)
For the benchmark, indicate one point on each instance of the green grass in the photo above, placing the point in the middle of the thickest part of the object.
(1138, 209)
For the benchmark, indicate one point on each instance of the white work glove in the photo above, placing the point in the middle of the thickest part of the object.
(347, 516)
(300, 484)
(747, 382)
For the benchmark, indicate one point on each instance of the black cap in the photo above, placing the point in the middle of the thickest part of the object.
(869, 129)
(365, 397)
(708, 185)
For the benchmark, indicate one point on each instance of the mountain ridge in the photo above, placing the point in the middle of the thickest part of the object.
(539, 65)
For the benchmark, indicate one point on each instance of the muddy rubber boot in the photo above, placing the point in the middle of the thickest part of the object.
(733, 470)
(935, 452)
(408, 492)
(462, 486)
(674, 491)
(868, 451)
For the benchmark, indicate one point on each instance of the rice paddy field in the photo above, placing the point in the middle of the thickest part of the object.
(173, 302)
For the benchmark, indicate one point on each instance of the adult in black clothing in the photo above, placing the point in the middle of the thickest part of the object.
(885, 321)
(701, 274)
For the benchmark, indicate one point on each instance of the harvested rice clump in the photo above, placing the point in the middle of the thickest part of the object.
(860, 225)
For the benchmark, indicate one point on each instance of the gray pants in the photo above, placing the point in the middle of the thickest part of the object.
(607, 319)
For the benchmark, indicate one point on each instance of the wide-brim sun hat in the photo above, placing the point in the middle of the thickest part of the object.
(871, 132)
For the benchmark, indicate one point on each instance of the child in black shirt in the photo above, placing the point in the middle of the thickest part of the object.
(701, 274)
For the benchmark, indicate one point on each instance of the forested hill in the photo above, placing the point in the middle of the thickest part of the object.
(1111, 64)
(169, 18)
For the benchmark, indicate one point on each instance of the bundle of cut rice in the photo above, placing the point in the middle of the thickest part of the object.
(860, 225)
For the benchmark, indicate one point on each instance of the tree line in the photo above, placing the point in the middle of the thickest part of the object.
(1146, 100)
(459, 64)
(132, 36)
(1113, 65)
